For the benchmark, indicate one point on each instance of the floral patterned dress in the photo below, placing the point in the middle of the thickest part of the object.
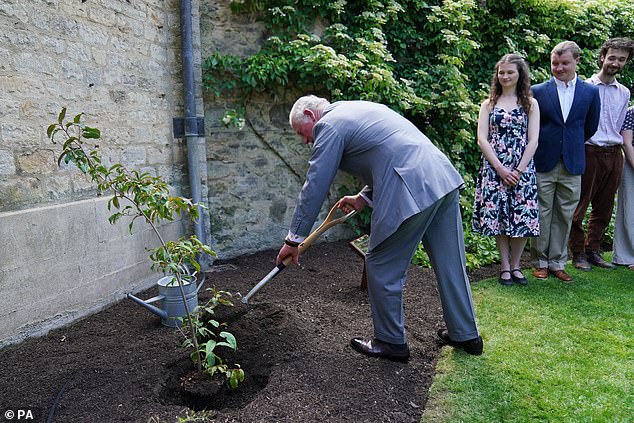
(498, 208)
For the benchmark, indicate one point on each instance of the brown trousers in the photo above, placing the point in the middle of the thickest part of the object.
(604, 167)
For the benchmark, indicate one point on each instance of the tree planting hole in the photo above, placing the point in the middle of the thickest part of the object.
(263, 332)
(186, 388)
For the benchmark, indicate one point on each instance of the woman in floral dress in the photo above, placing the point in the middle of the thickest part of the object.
(506, 190)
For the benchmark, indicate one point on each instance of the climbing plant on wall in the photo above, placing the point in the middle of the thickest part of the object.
(429, 60)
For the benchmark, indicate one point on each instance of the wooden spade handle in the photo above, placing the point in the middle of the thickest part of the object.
(328, 223)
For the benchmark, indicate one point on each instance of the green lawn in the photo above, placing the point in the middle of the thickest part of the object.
(552, 352)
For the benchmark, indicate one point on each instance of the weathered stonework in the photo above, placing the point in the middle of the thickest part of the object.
(119, 62)
(116, 61)
(255, 174)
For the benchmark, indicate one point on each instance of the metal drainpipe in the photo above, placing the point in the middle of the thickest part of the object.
(192, 130)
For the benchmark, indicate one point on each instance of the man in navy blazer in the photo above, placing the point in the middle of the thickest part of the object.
(569, 115)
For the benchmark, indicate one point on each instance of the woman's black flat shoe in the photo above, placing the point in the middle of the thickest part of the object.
(519, 280)
(506, 282)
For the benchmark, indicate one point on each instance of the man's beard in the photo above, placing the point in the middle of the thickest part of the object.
(612, 71)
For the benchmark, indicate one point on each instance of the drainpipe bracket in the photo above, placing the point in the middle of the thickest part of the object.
(188, 127)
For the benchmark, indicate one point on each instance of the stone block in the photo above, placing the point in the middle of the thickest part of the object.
(66, 262)
(133, 156)
(19, 136)
(7, 163)
(19, 192)
(37, 162)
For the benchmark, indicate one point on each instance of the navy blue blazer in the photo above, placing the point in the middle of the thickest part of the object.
(565, 140)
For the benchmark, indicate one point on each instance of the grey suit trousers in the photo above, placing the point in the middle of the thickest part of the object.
(624, 222)
(440, 229)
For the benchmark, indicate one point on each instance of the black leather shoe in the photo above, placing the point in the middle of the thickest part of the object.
(595, 258)
(473, 346)
(376, 348)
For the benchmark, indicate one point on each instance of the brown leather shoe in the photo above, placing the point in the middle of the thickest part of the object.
(376, 348)
(595, 258)
(581, 262)
(561, 275)
(541, 273)
(473, 346)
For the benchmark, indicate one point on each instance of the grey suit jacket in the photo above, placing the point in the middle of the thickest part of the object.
(403, 171)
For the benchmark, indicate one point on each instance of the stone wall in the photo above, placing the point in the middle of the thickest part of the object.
(256, 173)
(118, 61)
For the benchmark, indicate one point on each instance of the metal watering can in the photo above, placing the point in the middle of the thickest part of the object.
(171, 301)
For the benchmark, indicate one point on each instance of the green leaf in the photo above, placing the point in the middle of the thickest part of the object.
(50, 131)
(210, 346)
(61, 116)
(233, 381)
(210, 359)
(113, 218)
(89, 132)
(231, 340)
(224, 344)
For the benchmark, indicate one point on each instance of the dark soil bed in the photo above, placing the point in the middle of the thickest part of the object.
(293, 343)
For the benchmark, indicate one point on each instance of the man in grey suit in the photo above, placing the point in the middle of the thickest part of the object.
(569, 114)
(413, 190)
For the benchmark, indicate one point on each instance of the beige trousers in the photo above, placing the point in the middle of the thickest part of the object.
(558, 193)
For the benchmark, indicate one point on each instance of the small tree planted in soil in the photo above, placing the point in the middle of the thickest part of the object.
(139, 195)
(211, 335)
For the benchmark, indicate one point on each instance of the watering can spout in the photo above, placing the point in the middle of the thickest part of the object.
(161, 313)
(177, 300)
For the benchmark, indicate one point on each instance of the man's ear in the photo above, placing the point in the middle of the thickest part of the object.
(309, 113)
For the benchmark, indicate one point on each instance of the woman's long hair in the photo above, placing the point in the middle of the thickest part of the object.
(523, 88)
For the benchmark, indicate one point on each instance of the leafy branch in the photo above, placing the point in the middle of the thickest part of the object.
(136, 195)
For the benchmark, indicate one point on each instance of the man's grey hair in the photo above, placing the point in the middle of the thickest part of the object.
(565, 46)
(307, 102)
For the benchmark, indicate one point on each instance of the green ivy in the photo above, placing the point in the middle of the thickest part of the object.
(429, 60)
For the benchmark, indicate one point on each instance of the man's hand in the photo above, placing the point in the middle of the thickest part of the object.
(286, 251)
(351, 202)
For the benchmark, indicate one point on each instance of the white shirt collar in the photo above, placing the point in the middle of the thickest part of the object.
(569, 84)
